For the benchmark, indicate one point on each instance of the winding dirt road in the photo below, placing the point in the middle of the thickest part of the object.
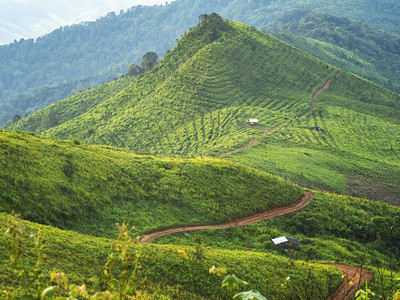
(352, 280)
(300, 204)
(354, 277)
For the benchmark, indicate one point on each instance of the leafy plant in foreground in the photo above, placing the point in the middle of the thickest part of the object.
(233, 283)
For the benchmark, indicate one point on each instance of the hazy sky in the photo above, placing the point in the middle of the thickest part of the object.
(33, 18)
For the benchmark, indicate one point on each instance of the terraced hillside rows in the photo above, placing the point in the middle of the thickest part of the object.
(356, 151)
(201, 95)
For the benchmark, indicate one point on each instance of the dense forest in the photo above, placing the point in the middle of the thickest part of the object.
(353, 46)
(35, 73)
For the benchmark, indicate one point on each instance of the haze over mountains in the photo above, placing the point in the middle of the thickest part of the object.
(31, 19)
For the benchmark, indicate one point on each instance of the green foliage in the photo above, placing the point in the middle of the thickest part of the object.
(332, 228)
(77, 57)
(162, 267)
(355, 47)
(355, 153)
(198, 100)
(89, 188)
(128, 260)
(76, 105)
(232, 283)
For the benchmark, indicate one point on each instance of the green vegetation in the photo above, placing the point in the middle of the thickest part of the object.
(77, 104)
(90, 188)
(355, 153)
(198, 100)
(165, 271)
(332, 228)
(223, 87)
(77, 57)
(353, 46)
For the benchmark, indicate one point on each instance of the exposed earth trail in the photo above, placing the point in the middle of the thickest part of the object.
(352, 280)
(354, 277)
(300, 204)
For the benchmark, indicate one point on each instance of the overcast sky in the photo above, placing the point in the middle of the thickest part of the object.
(33, 18)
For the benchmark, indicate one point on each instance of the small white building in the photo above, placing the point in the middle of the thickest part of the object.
(253, 121)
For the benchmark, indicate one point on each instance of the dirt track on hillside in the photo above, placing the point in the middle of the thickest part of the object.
(300, 204)
(267, 131)
(352, 280)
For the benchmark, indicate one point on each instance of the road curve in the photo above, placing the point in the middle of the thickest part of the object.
(300, 204)
(352, 280)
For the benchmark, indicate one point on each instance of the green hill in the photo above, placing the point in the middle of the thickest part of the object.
(200, 95)
(89, 188)
(36, 73)
(198, 100)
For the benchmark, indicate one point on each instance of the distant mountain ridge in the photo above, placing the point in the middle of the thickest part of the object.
(353, 46)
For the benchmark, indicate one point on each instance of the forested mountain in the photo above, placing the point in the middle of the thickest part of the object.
(350, 45)
(199, 98)
(80, 56)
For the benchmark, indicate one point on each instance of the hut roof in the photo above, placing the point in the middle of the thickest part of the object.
(285, 239)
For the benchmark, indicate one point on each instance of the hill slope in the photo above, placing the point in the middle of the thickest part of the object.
(91, 53)
(199, 96)
(165, 272)
(88, 188)
(198, 100)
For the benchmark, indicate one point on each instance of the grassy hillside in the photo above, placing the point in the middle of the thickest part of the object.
(89, 188)
(332, 228)
(350, 45)
(27, 104)
(165, 271)
(198, 100)
(355, 153)
(200, 95)
(354, 226)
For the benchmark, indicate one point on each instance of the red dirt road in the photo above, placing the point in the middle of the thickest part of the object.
(300, 204)
(352, 280)
(327, 85)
